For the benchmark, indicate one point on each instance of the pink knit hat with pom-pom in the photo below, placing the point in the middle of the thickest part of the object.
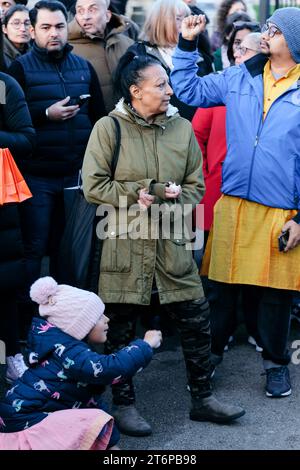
(74, 311)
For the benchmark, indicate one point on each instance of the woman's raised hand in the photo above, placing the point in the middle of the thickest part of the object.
(192, 26)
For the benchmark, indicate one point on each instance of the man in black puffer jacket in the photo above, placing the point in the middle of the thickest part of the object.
(16, 134)
(53, 78)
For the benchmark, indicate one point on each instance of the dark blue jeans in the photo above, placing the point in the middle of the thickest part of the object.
(42, 223)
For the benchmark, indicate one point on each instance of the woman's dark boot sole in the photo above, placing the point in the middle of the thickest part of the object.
(194, 416)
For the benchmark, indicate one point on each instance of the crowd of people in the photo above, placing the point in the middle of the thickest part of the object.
(201, 122)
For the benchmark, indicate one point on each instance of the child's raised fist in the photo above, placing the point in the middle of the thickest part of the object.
(153, 338)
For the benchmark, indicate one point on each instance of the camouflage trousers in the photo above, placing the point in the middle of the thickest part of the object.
(191, 319)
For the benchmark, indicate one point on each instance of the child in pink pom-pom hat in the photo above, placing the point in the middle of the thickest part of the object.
(57, 403)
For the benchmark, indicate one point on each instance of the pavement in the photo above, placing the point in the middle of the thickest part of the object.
(162, 398)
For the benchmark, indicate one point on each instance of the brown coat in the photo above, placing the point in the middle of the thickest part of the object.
(103, 53)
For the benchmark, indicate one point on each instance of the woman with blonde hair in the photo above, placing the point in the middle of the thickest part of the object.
(159, 38)
(163, 23)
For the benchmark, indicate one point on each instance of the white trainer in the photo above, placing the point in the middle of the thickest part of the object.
(15, 367)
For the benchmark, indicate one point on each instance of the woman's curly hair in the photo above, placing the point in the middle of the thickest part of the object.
(223, 12)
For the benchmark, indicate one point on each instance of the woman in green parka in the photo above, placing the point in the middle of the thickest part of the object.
(146, 253)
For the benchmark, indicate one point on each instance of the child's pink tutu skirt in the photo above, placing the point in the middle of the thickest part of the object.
(75, 429)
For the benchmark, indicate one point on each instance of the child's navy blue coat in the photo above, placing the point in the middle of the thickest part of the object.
(64, 373)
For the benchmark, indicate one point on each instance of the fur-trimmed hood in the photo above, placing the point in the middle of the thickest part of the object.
(124, 110)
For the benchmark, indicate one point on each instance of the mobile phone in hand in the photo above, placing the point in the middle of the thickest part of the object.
(82, 99)
(283, 240)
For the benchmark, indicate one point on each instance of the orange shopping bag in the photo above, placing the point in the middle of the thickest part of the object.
(12, 184)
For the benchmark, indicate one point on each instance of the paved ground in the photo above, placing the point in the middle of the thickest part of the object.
(164, 401)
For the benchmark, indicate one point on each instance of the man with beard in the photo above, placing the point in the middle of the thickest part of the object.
(255, 241)
(53, 79)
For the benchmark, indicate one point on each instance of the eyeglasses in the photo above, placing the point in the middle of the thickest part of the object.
(243, 49)
(17, 24)
(270, 29)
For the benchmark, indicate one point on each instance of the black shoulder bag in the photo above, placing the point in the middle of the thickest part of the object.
(80, 248)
